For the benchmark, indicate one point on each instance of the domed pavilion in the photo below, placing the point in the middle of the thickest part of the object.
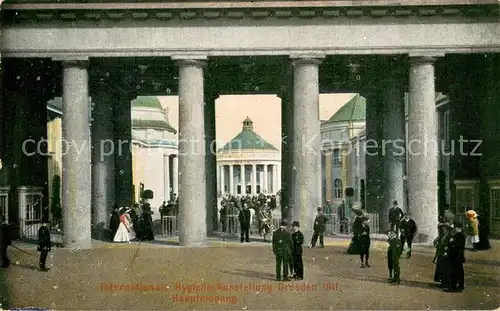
(248, 164)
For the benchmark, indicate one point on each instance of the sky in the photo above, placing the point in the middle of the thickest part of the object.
(264, 110)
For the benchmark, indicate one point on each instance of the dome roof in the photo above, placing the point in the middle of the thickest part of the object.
(151, 120)
(247, 139)
(147, 102)
(353, 110)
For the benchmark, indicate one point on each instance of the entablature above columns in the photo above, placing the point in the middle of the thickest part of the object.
(344, 34)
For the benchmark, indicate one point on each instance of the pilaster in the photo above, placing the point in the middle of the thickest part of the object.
(211, 159)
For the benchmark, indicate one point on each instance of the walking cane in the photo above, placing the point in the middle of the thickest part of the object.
(22, 250)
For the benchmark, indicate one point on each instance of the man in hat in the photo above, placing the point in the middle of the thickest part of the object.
(456, 250)
(282, 243)
(393, 254)
(408, 230)
(44, 245)
(5, 241)
(298, 241)
(319, 228)
(244, 218)
(395, 216)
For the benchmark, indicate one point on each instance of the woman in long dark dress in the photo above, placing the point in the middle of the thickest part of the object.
(357, 229)
(147, 233)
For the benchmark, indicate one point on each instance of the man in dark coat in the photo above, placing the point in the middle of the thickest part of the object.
(456, 250)
(342, 219)
(5, 241)
(408, 229)
(395, 216)
(114, 222)
(44, 245)
(298, 241)
(319, 228)
(393, 254)
(244, 218)
(282, 243)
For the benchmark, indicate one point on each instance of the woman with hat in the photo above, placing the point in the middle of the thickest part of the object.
(472, 228)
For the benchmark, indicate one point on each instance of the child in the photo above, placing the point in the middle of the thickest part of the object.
(393, 254)
(298, 240)
(364, 242)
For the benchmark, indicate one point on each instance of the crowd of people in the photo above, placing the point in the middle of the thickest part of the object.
(450, 245)
(131, 224)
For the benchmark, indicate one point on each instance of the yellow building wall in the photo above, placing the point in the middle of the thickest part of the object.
(328, 175)
(54, 165)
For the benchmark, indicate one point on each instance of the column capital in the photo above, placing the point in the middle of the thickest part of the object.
(199, 61)
(306, 59)
(421, 60)
(75, 63)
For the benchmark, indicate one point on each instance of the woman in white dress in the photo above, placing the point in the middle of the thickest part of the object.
(122, 234)
(130, 225)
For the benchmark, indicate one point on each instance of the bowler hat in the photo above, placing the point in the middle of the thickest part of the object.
(284, 223)
(295, 224)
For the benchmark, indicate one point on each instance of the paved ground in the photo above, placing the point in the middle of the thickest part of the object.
(77, 277)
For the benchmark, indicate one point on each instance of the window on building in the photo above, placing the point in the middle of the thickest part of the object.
(3, 205)
(464, 200)
(495, 202)
(337, 188)
(33, 207)
(446, 130)
(336, 157)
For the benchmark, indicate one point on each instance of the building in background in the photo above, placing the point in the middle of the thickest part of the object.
(154, 148)
(248, 164)
(342, 165)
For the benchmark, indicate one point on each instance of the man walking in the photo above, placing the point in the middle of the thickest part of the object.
(408, 230)
(244, 218)
(319, 228)
(282, 243)
(44, 245)
(341, 216)
(395, 216)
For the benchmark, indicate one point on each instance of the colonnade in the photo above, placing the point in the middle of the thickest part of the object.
(83, 186)
(264, 178)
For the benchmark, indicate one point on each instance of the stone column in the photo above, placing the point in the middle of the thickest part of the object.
(422, 151)
(175, 175)
(285, 171)
(254, 179)
(374, 187)
(166, 178)
(265, 179)
(222, 180)
(274, 178)
(210, 162)
(242, 177)
(231, 178)
(123, 145)
(76, 175)
(278, 177)
(192, 180)
(393, 147)
(306, 146)
(103, 158)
